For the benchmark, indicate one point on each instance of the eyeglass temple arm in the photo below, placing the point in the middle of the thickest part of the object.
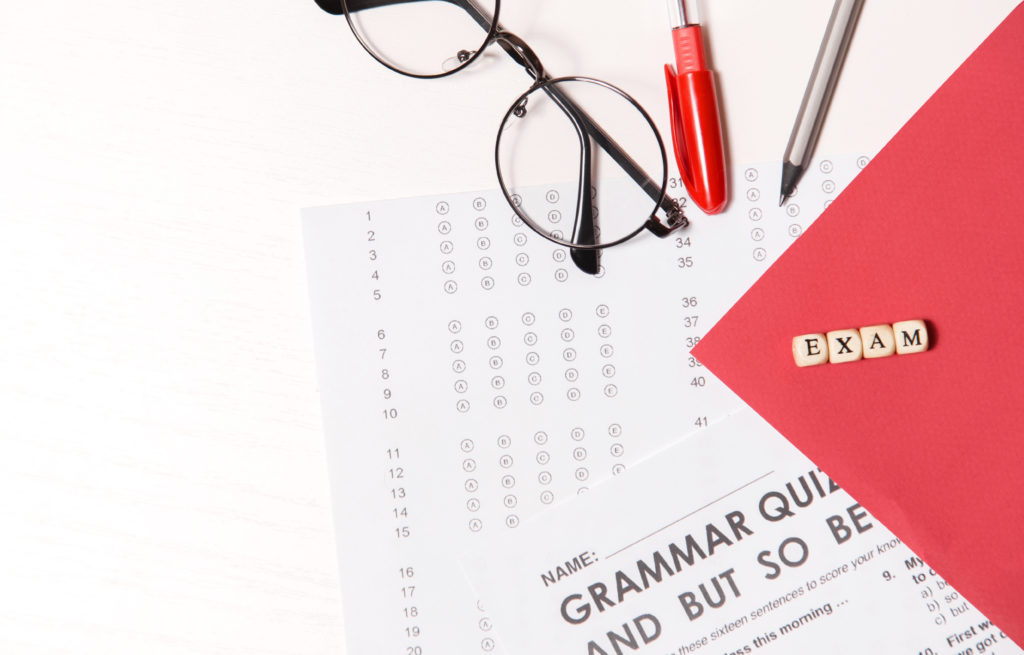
(584, 230)
(621, 157)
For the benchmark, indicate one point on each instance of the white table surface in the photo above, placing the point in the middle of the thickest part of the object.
(163, 487)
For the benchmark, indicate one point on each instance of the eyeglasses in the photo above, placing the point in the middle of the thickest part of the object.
(545, 147)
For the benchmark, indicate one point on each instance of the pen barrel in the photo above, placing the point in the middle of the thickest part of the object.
(697, 135)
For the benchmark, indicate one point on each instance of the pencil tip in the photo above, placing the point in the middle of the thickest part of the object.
(782, 200)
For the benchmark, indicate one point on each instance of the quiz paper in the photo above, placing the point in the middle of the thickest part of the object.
(729, 541)
(471, 377)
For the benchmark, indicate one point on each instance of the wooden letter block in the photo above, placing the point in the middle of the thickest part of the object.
(844, 346)
(810, 349)
(878, 341)
(911, 337)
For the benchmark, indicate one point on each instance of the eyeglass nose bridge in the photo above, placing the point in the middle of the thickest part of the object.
(521, 53)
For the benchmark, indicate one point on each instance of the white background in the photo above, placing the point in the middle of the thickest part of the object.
(162, 480)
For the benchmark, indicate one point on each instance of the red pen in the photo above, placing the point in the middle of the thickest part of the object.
(694, 114)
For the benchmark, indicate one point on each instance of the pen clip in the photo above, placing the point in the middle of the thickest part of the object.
(697, 137)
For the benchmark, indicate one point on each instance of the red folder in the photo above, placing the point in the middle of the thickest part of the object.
(932, 444)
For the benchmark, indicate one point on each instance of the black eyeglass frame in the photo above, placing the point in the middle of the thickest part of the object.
(523, 55)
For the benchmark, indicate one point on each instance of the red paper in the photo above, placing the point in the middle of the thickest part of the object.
(931, 444)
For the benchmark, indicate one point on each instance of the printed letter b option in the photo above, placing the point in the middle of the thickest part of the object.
(871, 342)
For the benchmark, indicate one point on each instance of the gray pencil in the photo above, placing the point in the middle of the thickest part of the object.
(818, 94)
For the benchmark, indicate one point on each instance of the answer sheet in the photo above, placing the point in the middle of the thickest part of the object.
(730, 541)
(471, 377)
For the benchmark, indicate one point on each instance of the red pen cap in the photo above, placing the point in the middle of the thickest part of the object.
(696, 123)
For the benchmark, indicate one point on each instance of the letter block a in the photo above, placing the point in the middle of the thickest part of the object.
(810, 349)
(878, 341)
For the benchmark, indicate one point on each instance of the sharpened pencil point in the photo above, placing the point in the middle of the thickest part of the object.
(782, 200)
